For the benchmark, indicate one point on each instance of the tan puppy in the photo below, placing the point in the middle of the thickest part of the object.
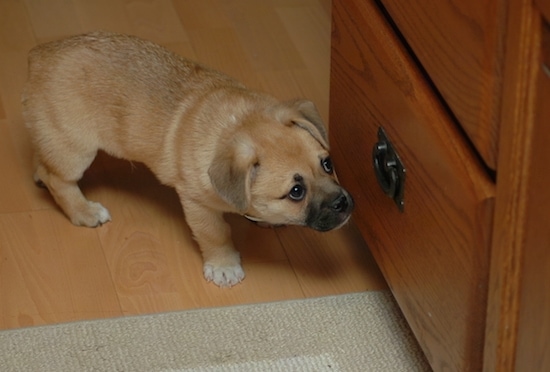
(223, 147)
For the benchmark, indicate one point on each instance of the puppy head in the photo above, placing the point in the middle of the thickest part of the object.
(277, 169)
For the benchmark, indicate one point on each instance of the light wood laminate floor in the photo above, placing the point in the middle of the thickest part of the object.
(145, 260)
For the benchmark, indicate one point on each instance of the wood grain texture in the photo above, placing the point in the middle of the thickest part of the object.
(145, 260)
(51, 273)
(533, 340)
(516, 241)
(435, 254)
(459, 43)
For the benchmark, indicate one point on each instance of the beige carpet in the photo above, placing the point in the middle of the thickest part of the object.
(352, 332)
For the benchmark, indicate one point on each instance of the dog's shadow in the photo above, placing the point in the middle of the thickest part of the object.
(135, 180)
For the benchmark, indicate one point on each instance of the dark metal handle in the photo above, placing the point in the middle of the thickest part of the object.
(389, 170)
(384, 168)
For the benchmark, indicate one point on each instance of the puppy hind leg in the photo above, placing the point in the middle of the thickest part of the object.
(69, 197)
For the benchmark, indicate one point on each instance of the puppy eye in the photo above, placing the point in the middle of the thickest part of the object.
(297, 193)
(326, 163)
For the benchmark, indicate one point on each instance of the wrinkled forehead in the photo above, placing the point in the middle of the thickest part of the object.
(294, 160)
(294, 142)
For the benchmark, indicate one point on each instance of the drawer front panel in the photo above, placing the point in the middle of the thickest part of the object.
(434, 254)
(459, 43)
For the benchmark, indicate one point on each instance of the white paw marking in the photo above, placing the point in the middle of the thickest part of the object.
(96, 215)
(102, 214)
(225, 276)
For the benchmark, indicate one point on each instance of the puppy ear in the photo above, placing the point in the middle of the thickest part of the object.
(232, 171)
(313, 122)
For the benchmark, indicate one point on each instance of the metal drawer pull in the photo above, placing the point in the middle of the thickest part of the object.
(389, 169)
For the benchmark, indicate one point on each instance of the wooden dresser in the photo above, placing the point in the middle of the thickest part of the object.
(459, 219)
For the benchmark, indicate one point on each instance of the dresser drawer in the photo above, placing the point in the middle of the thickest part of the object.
(459, 43)
(434, 254)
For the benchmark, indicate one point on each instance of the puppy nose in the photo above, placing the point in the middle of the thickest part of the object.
(340, 204)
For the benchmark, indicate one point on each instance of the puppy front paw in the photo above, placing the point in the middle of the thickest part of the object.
(223, 276)
(92, 215)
